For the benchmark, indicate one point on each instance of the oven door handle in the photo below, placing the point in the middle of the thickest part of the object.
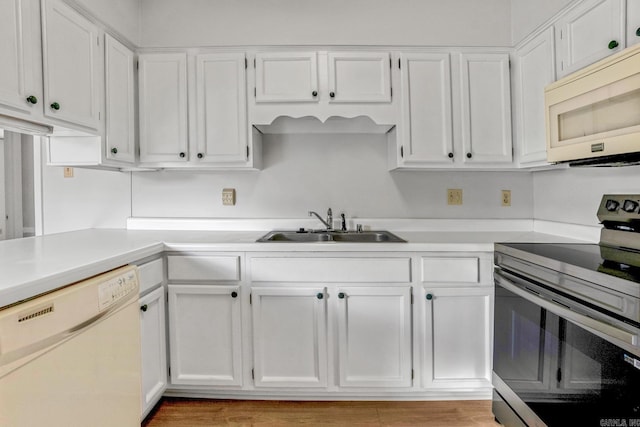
(602, 329)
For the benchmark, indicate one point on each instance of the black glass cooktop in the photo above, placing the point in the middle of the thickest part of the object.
(589, 256)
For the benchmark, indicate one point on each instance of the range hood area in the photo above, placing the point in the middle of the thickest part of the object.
(332, 125)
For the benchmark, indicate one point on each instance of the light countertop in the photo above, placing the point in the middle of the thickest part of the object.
(36, 265)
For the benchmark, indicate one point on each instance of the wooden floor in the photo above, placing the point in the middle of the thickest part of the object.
(196, 412)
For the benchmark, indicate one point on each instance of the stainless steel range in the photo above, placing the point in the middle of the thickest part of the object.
(567, 327)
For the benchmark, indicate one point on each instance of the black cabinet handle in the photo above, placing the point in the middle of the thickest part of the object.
(144, 307)
(638, 32)
(450, 155)
(314, 93)
(320, 295)
(32, 100)
(114, 150)
(429, 297)
(234, 294)
(469, 155)
(55, 106)
(613, 44)
(332, 94)
(200, 155)
(182, 155)
(341, 295)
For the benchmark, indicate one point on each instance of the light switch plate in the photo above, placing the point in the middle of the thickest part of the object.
(454, 196)
(506, 197)
(68, 172)
(228, 196)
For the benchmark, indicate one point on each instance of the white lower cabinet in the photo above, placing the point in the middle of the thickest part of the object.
(153, 348)
(458, 325)
(205, 335)
(289, 337)
(374, 336)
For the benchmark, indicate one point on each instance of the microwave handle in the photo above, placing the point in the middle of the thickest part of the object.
(592, 325)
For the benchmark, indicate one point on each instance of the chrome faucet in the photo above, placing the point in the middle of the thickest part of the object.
(329, 222)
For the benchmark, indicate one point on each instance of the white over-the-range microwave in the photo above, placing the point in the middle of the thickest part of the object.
(593, 115)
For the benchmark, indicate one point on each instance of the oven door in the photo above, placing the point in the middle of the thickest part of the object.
(556, 363)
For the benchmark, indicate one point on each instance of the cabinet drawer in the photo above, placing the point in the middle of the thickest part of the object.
(443, 269)
(209, 268)
(150, 275)
(331, 270)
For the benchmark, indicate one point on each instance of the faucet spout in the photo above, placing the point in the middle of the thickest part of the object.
(328, 223)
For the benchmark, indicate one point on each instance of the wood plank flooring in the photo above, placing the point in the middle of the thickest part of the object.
(200, 412)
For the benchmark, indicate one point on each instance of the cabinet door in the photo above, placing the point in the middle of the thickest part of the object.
(119, 93)
(153, 347)
(72, 66)
(589, 32)
(221, 108)
(289, 337)
(359, 77)
(458, 324)
(426, 116)
(486, 108)
(374, 336)
(534, 70)
(205, 335)
(633, 22)
(20, 74)
(287, 77)
(162, 79)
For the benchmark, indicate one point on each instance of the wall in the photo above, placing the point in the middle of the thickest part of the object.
(91, 199)
(527, 15)
(573, 195)
(346, 173)
(333, 22)
(121, 15)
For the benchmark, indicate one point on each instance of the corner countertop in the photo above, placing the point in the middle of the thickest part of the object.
(36, 265)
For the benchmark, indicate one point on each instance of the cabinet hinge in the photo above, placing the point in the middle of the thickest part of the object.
(411, 298)
(402, 151)
(255, 92)
(412, 374)
(399, 64)
(250, 299)
(246, 63)
(169, 371)
(247, 152)
(390, 63)
(254, 62)
(559, 375)
(391, 92)
(99, 116)
(253, 374)
(137, 65)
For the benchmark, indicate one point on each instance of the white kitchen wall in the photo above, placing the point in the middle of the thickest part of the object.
(121, 15)
(527, 15)
(314, 172)
(91, 199)
(333, 22)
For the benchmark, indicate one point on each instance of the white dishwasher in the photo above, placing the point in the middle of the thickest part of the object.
(72, 357)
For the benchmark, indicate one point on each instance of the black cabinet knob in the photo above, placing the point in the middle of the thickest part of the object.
(200, 155)
(114, 150)
(469, 155)
(450, 155)
(429, 297)
(234, 294)
(613, 44)
(638, 32)
(32, 99)
(314, 93)
(182, 155)
(55, 106)
(332, 94)
(144, 307)
(320, 295)
(341, 295)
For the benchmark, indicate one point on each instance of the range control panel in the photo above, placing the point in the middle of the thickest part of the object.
(115, 288)
(619, 208)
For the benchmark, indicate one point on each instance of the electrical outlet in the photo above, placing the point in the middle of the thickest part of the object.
(506, 197)
(68, 172)
(454, 196)
(228, 196)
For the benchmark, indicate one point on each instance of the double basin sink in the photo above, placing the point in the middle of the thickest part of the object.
(331, 236)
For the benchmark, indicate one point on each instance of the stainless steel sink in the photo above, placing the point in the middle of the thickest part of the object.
(330, 236)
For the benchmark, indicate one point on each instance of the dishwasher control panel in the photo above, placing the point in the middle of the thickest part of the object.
(115, 288)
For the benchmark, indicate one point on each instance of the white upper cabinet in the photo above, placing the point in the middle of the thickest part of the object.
(426, 129)
(534, 69)
(72, 63)
(486, 108)
(589, 32)
(119, 100)
(21, 70)
(164, 135)
(359, 77)
(633, 22)
(221, 109)
(286, 77)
